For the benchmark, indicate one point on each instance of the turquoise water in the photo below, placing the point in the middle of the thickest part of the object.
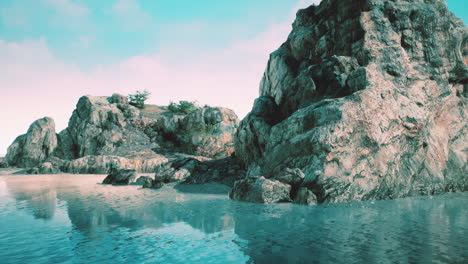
(72, 219)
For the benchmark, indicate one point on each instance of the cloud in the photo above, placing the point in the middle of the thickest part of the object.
(130, 14)
(34, 83)
(68, 8)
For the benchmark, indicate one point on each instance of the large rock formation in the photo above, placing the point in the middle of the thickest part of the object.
(106, 131)
(366, 97)
(35, 146)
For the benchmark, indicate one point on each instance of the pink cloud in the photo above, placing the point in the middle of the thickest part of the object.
(34, 83)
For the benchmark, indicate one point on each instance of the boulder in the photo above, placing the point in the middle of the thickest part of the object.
(118, 99)
(291, 176)
(45, 168)
(153, 184)
(143, 181)
(176, 170)
(34, 147)
(120, 177)
(225, 171)
(208, 131)
(3, 163)
(305, 196)
(367, 99)
(260, 190)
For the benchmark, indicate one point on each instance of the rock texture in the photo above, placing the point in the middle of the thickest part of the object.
(107, 130)
(260, 190)
(3, 163)
(120, 177)
(368, 99)
(35, 146)
(209, 131)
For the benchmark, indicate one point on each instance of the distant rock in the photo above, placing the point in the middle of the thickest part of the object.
(175, 171)
(143, 181)
(45, 168)
(225, 171)
(102, 164)
(305, 196)
(260, 190)
(120, 177)
(107, 130)
(153, 184)
(208, 131)
(118, 99)
(3, 163)
(35, 146)
(368, 99)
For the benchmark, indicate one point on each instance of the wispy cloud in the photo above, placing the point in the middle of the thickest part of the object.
(68, 8)
(130, 14)
(227, 76)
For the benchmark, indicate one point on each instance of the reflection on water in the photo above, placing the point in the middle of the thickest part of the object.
(71, 219)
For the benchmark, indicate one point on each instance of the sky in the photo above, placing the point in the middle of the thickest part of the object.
(214, 52)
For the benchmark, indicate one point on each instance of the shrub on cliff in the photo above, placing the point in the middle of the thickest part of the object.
(138, 99)
(183, 107)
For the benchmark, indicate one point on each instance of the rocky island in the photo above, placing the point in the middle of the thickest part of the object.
(365, 100)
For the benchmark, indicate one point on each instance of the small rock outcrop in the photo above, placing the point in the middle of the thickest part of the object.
(3, 163)
(34, 147)
(143, 181)
(368, 99)
(120, 177)
(260, 190)
(108, 130)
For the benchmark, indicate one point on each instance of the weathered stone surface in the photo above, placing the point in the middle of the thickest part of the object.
(225, 171)
(305, 196)
(153, 184)
(32, 148)
(3, 163)
(120, 177)
(260, 190)
(368, 99)
(144, 181)
(118, 99)
(176, 170)
(106, 130)
(291, 176)
(98, 127)
(48, 168)
(102, 164)
(206, 132)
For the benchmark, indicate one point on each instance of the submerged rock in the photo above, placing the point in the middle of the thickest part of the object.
(368, 99)
(120, 177)
(35, 146)
(260, 190)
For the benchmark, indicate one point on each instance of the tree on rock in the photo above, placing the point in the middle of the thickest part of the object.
(138, 99)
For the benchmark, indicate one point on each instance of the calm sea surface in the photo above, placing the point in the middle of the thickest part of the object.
(73, 219)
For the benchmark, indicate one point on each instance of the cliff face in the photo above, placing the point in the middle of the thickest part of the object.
(368, 99)
(107, 130)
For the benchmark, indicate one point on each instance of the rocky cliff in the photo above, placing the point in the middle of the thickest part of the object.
(105, 131)
(367, 99)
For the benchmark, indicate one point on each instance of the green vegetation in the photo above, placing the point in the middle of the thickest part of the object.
(183, 107)
(138, 99)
